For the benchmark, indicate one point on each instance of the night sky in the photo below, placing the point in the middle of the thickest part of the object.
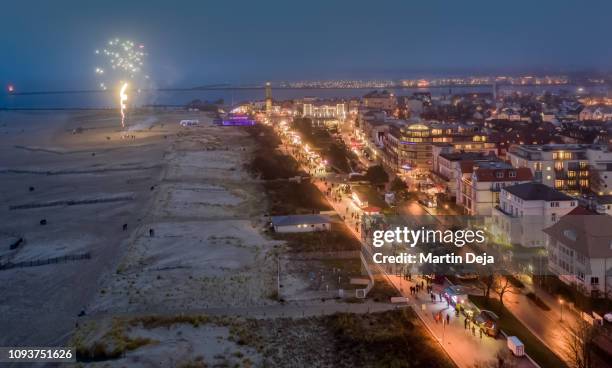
(49, 44)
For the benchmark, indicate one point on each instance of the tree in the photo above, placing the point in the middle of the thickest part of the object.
(486, 283)
(397, 185)
(502, 285)
(377, 175)
(339, 155)
(579, 342)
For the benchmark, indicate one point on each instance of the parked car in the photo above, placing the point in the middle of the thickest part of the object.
(608, 317)
(488, 322)
(467, 276)
(427, 203)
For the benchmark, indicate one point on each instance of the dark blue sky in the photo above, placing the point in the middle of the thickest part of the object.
(49, 43)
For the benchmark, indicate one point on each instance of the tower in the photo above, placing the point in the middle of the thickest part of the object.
(268, 98)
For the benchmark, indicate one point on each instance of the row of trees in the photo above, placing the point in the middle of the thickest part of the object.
(579, 336)
(498, 283)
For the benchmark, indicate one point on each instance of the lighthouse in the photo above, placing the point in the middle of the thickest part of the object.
(268, 98)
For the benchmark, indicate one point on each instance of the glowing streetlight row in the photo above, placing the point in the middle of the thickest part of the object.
(296, 140)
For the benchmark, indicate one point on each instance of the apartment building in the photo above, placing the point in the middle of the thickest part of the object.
(383, 100)
(479, 184)
(580, 252)
(567, 167)
(446, 165)
(525, 210)
(410, 145)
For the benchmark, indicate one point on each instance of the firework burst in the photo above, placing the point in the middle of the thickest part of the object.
(122, 62)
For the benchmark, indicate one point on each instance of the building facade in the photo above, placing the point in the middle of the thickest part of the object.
(324, 110)
(566, 167)
(380, 100)
(525, 210)
(446, 166)
(580, 253)
(410, 145)
(479, 184)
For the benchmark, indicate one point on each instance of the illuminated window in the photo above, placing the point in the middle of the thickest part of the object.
(559, 165)
(558, 184)
(571, 174)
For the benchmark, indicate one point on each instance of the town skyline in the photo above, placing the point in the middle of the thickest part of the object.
(193, 184)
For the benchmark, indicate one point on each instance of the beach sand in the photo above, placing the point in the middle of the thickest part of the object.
(74, 170)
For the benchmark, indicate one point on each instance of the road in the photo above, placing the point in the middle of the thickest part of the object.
(551, 327)
(453, 338)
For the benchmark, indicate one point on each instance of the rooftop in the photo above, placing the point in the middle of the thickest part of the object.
(537, 192)
(461, 156)
(559, 147)
(581, 211)
(492, 165)
(503, 174)
(290, 220)
(587, 235)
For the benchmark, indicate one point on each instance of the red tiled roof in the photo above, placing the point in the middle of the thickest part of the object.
(521, 174)
(581, 211)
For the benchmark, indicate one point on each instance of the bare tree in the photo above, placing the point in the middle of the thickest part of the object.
(486, 283)
(502, 286)
(579, 339)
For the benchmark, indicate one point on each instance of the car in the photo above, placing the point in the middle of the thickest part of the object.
(488, 322)
(427, 203)
(608, 317)
(467, 276)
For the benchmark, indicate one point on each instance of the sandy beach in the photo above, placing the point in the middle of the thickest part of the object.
(75, 173)
(150, 249)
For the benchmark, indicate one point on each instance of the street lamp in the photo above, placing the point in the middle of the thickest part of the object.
(561, 301)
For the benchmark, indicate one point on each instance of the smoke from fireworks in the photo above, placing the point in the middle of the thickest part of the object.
(122, 62)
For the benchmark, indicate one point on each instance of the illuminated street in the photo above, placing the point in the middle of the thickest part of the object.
(322, 184)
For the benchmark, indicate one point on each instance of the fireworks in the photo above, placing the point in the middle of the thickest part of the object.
(122, 102)
(122, 62)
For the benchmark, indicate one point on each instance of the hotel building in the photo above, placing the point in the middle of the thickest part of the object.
(566, 167)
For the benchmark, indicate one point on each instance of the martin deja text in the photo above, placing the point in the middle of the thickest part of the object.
(450, 258)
